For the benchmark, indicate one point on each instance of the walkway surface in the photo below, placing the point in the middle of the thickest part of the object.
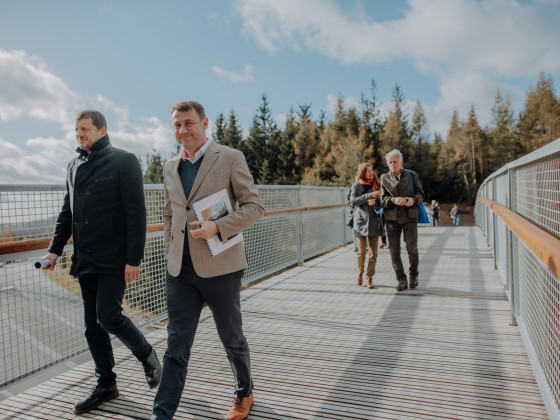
(324, 348)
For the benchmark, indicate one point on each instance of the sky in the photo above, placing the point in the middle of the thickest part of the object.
(132, 60)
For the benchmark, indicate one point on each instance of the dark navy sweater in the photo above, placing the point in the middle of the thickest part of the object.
(188, 172)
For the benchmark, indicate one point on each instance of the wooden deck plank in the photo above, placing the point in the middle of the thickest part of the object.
(322, 347)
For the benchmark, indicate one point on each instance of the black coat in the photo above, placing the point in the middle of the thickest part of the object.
(104, 210)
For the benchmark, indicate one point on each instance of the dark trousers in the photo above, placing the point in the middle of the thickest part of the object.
(410, 232)
(102, 295)
(186, 295)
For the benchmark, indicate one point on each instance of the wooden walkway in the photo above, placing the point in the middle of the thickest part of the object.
(324, 348)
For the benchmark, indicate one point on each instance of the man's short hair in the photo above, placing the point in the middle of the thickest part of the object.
(97, 118)
(393, 152)
(187, 106)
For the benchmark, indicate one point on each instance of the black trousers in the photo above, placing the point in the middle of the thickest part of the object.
(102, 295)
(186, 295)
(410, 232)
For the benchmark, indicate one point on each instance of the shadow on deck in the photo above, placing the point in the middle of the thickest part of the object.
(323, 347)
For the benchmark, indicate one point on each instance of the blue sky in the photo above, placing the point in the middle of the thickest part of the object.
(132, 60)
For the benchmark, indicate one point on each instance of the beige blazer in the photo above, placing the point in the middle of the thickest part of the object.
(222, 167)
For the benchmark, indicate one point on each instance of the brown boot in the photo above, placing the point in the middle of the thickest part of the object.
(369, 283)
(241, 408)
(359, 278)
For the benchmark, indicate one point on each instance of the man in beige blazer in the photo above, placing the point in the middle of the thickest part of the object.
(195, 277)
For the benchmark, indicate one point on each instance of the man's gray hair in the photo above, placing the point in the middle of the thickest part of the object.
(393, 152)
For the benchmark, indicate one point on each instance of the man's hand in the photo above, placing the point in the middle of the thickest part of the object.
(409, 202)
(203, 230)
(52, 258)
(131, 273)
(404, 201)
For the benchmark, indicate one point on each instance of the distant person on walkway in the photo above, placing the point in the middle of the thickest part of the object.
(456, 215)
(105, 212)
(368, 227)
(195, 277)
(401, 192)
(435, 213)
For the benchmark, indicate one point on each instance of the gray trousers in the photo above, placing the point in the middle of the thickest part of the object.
(186, 295)
(410, 232)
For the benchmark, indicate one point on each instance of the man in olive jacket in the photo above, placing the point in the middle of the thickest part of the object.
(401, 192)
(105, 212)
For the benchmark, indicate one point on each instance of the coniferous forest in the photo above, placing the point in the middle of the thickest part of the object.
(314, 150)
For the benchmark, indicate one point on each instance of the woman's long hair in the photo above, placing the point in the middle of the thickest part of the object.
(361, 175)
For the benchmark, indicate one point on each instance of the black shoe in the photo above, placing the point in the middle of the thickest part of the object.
(413, 282)
(152, 369)
(401, 286)
(97, 397)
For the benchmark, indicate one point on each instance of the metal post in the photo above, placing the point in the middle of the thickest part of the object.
(494, 228)
(299, 228)
(343, 216)
(513, 274)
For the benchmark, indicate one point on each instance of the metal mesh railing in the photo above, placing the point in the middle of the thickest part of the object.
(530, 187)
(41, 321)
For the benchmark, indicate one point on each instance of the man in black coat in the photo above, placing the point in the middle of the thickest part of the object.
(105, 212)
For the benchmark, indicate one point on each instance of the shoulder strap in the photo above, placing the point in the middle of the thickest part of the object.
(411, 180)
(413, 186)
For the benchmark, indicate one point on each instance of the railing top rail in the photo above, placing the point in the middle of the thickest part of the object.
(543, 244)
(62, 187)
(14, 247)
(31, 187)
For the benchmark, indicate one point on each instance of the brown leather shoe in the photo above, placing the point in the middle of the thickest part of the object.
(241, 408)
(369, 283)
(359, 278)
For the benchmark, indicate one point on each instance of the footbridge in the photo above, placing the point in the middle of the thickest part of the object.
(479, 337)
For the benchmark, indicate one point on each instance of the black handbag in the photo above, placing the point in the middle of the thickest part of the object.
(350, 219)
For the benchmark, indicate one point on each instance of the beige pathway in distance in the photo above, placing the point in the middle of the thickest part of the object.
(324, 348)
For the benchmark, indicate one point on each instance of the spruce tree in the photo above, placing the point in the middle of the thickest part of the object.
(218, 133)
(419, 122)
(305, 145)
(539, 122)
(286, 173)
(396, 134)
(262, 142)
(233, 136)
(501, 134)
(372, 127)
(154, 171)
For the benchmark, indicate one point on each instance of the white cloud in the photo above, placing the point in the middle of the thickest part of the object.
(151, 134)
(18, 168)
(122, 113)
(499, 35)
(246, 76)
(27, 88)
(28, 91)
(48, 161)
(470, 47)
